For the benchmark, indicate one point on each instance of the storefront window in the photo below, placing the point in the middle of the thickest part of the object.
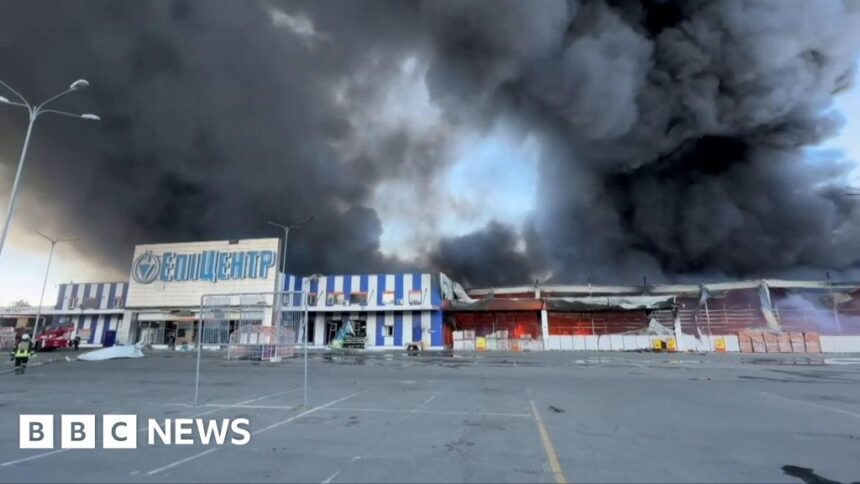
(334, 299)
(89, 303)
(358, 298)
(416, 297)
(388, 298)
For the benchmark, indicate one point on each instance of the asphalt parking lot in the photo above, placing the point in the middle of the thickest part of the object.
(541, 417)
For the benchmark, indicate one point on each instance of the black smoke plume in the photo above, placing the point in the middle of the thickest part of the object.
(218, 116)
(675, 132)
(675, 135)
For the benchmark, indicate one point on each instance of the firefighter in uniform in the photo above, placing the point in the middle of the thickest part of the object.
(22, 353)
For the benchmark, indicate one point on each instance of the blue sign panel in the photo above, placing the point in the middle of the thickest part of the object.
(207, 265)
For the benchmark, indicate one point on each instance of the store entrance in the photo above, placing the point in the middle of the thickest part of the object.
(332, 327)
(311, 327)
(170, 334)
(354, 337)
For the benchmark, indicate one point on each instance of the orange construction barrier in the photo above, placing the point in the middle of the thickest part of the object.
(770, 343)
(784, 342)
(745, 342)
(758, 342)
(813, 342)
(797, 345)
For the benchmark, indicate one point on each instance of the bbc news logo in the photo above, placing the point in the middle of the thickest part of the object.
(121, 431)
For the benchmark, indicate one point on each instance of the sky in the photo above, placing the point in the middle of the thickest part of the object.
(497, 141)
(847, 142)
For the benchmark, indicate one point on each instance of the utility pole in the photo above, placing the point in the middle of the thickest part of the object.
(287, 229)
(277, 303)
(54, 242)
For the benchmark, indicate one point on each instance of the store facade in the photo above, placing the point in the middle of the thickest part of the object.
(168, 282)
(169, 285)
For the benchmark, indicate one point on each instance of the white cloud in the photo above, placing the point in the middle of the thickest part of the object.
(847, 141)
(298, 24)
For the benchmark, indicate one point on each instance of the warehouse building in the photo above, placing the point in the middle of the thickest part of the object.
(170, 284)
(622, 317)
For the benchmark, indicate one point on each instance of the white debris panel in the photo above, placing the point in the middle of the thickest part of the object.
(112, 353)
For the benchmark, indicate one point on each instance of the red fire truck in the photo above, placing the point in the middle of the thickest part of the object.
(53, 339)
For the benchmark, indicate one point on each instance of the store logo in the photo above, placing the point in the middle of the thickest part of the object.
(121, 432)
(145, 268)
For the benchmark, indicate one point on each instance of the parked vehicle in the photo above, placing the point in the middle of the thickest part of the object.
(55, 338)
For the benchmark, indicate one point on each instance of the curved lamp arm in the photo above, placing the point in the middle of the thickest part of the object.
(88, 116)
(17, 94)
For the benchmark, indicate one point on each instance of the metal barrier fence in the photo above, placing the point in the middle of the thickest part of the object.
(254, 327)
(7, 338)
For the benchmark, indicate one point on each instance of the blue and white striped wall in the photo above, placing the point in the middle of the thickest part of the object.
(97, 307)
(411, 321)
(98, 324)
(407, 327)
(104, 295)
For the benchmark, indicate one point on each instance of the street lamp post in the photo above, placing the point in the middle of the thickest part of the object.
(35, 111)
(305, 292)
(287, 229)
(283, 284)
(54, 243)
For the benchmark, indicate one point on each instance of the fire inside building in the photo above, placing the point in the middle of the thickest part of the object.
(698, 317)
(162, 300)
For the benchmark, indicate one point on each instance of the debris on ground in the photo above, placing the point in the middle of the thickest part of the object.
(556, 409)
(806, 475)
(112, 353)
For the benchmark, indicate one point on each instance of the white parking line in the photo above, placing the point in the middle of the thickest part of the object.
(257, 432)
(417, 409)
(428, 412)
(141, 429)
(424, 404)
(270, 407)
(32, 457)
(815, 405)
(331, 477)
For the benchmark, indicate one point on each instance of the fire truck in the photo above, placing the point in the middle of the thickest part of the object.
(55, 338)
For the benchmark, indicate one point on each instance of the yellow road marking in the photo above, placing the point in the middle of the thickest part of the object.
(548, 447)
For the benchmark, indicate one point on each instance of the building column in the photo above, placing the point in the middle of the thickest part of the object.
(767, 307)
(678, 333)
(544, 328)
(319, 328)
(123, 329)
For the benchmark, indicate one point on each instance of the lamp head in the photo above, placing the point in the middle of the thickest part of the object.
(79, 84)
